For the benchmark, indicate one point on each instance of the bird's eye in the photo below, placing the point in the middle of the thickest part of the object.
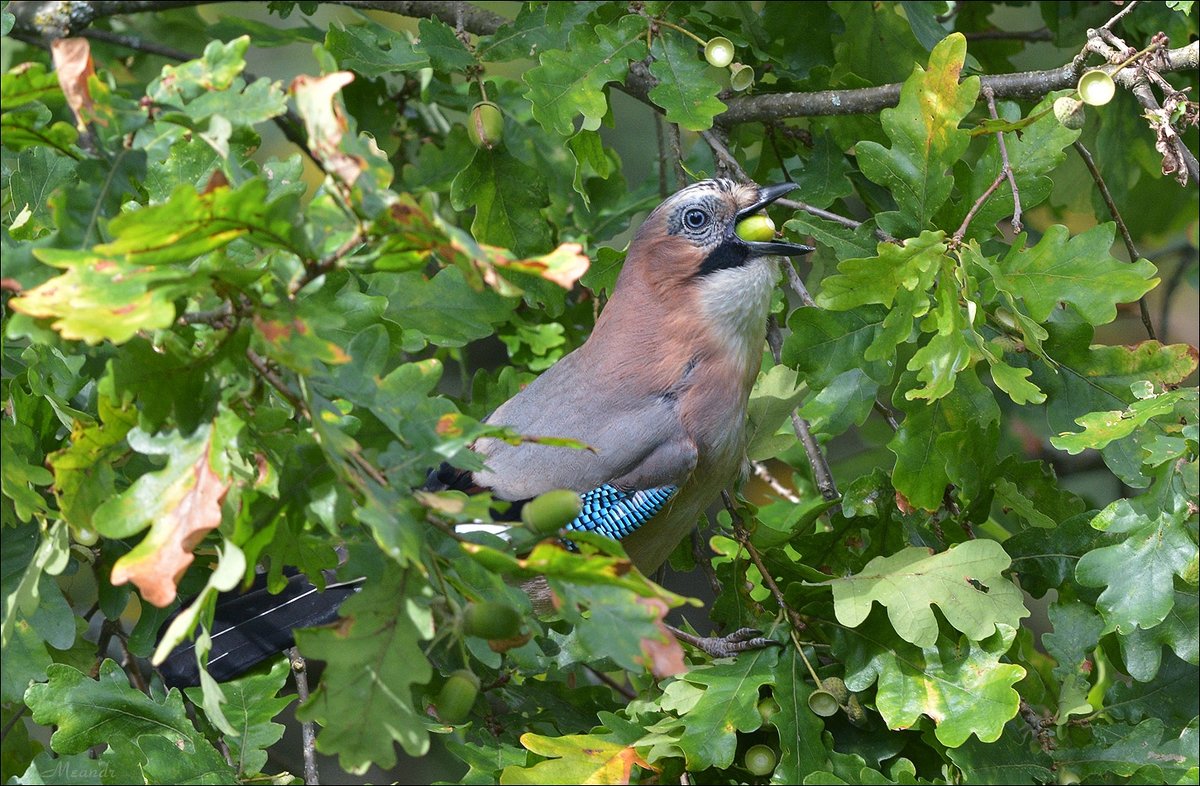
(695, 218)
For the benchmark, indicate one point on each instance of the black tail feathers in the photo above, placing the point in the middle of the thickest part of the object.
(251, 626)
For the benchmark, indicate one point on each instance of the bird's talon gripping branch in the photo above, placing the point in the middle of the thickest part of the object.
(741, 640)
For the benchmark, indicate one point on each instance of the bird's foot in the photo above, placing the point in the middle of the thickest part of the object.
(741, 640)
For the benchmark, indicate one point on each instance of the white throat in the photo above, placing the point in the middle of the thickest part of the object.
(735, 302)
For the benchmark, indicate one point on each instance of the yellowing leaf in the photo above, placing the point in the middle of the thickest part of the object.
(964, 581)
(926, 139)
(577, 758)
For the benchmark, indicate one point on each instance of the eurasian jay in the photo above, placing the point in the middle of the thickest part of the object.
(658, 393)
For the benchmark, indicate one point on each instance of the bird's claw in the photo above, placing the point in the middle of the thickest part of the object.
(740, 640)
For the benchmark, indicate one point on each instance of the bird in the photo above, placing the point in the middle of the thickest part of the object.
(657, 393)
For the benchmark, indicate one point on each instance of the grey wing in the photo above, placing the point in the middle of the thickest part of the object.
(635, 441)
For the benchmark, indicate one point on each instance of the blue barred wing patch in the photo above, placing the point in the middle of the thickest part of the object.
(610, 511)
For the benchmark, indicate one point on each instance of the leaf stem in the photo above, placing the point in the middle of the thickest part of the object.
(1134, 256)
(676, 27)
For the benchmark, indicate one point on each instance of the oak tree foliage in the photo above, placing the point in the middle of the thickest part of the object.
(229, 351)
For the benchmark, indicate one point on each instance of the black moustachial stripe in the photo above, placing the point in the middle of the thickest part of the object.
(731, 253)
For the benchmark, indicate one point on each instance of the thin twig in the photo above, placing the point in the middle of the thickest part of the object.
(764, 474)
(610, 682)
(308, 734)
(218, 316)
(704, 561)
(315, 269)
(131, 665)
(816, 457)
(797, 285)
(975, 208)
(1006, 167)
(1124, 11)
(681, 176)
(1134, 256)
(888, 415)
(13, 721)
(743, 537)
(274, 381)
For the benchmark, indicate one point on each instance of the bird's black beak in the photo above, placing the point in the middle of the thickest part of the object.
(767, 195)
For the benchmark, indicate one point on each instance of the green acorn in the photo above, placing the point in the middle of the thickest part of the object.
(491, 620)
(1069, 112)
(485, 125)
(457, 696)
(756, 228)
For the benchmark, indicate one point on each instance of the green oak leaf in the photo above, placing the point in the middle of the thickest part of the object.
(136, 727)
(1077, 270)
(962, 686)
(843, 242)
(1137, 572)
(32, 176)
(823, 345)
(1154, 752)
(926, 139)
(963, 581)
(1014, 758)
(898, 277)
(938, 362)
(1088, 378)
(443, 310)
(508, 197)
(571, 81)
(115, 289)
(712, 703)
(373, 658)
(531, 32)
(684, 89)
(618, 625)
(215, 70)
(940, 434)
(1077, 629)
(443, 48)
(84, 477)
(33, 82)
(372, 50)
(251, 703)
(1143, 649)
(800, 739)
(1168, 695)
(773, 399)
(1101, 428)
(591, 160)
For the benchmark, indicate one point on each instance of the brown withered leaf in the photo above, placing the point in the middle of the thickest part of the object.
(73, 63)
(316, 99)
(663, 655)
(157, 563)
